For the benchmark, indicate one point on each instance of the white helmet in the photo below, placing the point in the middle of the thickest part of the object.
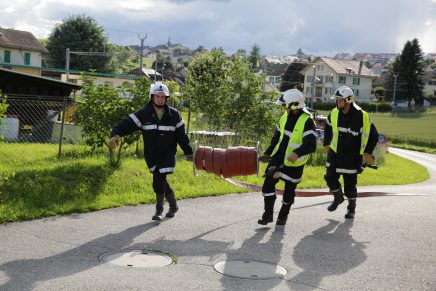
(292, 98)
(344, 92)
(158, 87)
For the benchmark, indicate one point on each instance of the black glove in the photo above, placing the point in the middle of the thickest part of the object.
(265, 158)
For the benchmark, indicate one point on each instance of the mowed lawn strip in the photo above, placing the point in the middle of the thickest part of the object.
(35, 184)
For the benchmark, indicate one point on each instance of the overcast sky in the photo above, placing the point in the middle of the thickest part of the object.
(279, 27)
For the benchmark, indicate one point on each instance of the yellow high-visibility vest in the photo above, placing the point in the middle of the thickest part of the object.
(295, 139)
(335, 130)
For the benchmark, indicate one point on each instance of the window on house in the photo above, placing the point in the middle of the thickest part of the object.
(328, 79)
(326, 90)
(342, 80)
(307, 90)
(356, 92)
(7, 57)
(308, 78)
(27, 58)
(356, 81)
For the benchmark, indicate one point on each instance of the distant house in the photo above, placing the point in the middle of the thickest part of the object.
(274, 73)
(374, 58)
(325, 75)
(429, 79)
(20, 51)
(150, 74)
(343, 56)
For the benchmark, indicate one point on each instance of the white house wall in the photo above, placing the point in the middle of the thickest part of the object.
(324, 72)
(17, 57)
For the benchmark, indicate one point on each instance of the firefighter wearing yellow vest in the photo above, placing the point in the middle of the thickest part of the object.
(349, 137)
(294, 139)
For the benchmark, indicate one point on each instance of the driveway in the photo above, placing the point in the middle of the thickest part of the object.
(390, 245)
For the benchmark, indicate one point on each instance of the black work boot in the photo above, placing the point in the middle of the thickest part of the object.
(338, 199)
(159, 208)
(171, 198)
(283, 214)
(351, 208)
(268, 214)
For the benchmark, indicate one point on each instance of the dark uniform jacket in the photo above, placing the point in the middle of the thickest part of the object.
(308, 146)
(348, 158)
(160, 136)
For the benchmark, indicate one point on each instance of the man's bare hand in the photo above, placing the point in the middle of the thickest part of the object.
(113, 142)
(369, 159)
(293, 157)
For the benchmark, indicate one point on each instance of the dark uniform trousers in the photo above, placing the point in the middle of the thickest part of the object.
(350, 182)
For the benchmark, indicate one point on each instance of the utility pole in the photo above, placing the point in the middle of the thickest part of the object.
(142, 49)
(313, 86)
(67, 62)
(155, 69)
(394, 107)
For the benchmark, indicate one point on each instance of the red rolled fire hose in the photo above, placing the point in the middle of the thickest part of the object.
(230, 162)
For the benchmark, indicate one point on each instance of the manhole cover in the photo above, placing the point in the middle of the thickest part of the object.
(137, 259)
(250, 269)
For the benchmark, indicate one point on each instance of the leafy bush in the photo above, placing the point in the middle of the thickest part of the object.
(369, 107)
(3, 108)
(101, 107)
(417, 141)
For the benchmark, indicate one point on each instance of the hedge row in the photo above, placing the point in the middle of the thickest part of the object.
(369, 107)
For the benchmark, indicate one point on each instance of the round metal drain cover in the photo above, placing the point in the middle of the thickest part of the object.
(250, 269)
(137, 259)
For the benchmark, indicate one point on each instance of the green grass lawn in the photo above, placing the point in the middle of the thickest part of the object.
(34, 183)
(407, 124)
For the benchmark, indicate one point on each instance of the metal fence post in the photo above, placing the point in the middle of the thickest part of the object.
(62, 126)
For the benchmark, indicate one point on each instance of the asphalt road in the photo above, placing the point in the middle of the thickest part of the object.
(390, 245)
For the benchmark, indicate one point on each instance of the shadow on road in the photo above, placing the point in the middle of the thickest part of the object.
(23, 274)
(329, 250)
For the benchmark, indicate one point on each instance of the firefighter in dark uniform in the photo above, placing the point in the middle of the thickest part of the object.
(349, 137)
(294, 139)
(162, 129)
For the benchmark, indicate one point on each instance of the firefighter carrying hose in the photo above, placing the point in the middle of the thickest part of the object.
(349, 136)
(162, 129)
(294, 139)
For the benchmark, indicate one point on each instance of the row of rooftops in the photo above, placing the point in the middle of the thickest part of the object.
(11, 38)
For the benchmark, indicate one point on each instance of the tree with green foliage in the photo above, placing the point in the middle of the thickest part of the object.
(254, 57)
(300, 54)
(292, 78)
(408, 67)
(123, 58)
(163, 61)
(79, 33)
(102, 107)
(207, 86)
(228, 94)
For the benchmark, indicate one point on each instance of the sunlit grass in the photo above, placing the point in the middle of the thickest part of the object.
(34, 183)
